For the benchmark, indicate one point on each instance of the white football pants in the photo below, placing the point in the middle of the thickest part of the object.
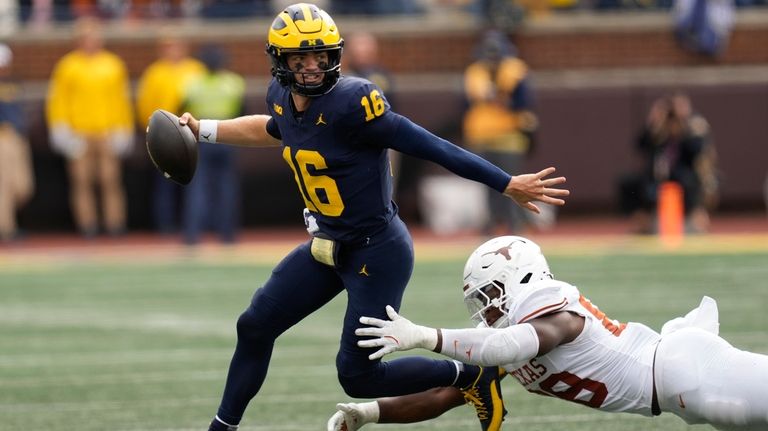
(703, 379)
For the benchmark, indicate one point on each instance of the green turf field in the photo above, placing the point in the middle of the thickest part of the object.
(92, 345)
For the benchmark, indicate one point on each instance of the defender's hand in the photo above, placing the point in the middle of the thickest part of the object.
(347, 418)
(526, 188)
(396, 334)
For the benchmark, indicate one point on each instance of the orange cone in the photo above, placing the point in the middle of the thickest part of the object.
(670, 213)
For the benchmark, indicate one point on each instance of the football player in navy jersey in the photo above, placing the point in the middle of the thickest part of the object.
(335, 132)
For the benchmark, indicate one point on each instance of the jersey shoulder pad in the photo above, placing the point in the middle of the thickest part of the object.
(365, 101)
(276, 99)
(545, 297)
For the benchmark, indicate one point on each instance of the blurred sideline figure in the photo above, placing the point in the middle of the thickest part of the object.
(162, 86)
(555, 342)
(704, 26)
(90, 123)
(362, 59)
(499, 123)
(16, 178)
(212, 198)
(675, 144)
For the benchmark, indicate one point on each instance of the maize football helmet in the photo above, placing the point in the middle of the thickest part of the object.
(497, 274)
(304, 27)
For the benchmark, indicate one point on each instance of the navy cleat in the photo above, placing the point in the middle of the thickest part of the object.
(484, 394)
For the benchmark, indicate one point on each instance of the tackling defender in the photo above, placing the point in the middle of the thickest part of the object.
(335, 132)
(555, 342)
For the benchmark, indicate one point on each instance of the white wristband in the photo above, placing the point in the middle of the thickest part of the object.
(369, 412)
(207, 132)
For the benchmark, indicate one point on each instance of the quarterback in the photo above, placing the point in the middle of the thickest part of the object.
(335, 132)
(555, 342)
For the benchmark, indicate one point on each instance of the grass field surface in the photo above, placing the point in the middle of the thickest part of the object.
(140, 338)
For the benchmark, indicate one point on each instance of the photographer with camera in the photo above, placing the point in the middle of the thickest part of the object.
(675, 145)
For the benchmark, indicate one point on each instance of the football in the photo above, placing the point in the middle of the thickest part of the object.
(172, 147)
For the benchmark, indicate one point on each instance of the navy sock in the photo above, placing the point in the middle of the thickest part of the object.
(218, 425)
(467, 375)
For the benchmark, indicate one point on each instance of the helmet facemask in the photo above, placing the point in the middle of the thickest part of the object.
(287, 77)
(498, 274)
(488, 304)
(302, 28)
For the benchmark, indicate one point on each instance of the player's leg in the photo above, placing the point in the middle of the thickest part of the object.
(81, 182)
(110, 181)
(375, 275)
(703, 379)
(298, 286)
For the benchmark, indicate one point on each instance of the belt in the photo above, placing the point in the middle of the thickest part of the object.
(655, 408)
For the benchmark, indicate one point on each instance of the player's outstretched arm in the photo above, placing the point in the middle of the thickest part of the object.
(411, 408)
(247, 131)
(524, 189)
(477, 346)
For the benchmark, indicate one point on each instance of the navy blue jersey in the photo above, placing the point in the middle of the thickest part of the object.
(345, 183)
(338, 153)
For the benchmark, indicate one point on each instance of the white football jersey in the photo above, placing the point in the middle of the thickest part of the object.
(608, 366)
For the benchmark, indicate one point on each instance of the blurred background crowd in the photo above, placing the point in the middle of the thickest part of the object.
(621, 95)
(41, 12)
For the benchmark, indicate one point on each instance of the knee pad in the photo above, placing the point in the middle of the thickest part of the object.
(363, 385)
(256, 323)
(358, 379)
(249, 326)
(731, 411)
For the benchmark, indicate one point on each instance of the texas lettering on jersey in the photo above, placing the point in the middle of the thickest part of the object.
(528, 373)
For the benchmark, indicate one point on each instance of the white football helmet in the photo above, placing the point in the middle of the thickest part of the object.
(498, 273)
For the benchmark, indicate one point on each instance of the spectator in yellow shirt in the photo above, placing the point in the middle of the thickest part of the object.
(90, 123)
(500, 123)
(162, 86)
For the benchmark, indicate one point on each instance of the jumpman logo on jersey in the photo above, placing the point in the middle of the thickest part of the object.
(320, 120)
(364, 271)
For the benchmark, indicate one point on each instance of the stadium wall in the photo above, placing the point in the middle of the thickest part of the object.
(595, 77)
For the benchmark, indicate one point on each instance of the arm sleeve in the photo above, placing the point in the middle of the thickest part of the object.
(397, 132)
(273, 130)
(491, 346)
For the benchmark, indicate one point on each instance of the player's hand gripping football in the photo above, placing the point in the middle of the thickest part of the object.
(193, 123)
(394, 335)
(526, 188)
